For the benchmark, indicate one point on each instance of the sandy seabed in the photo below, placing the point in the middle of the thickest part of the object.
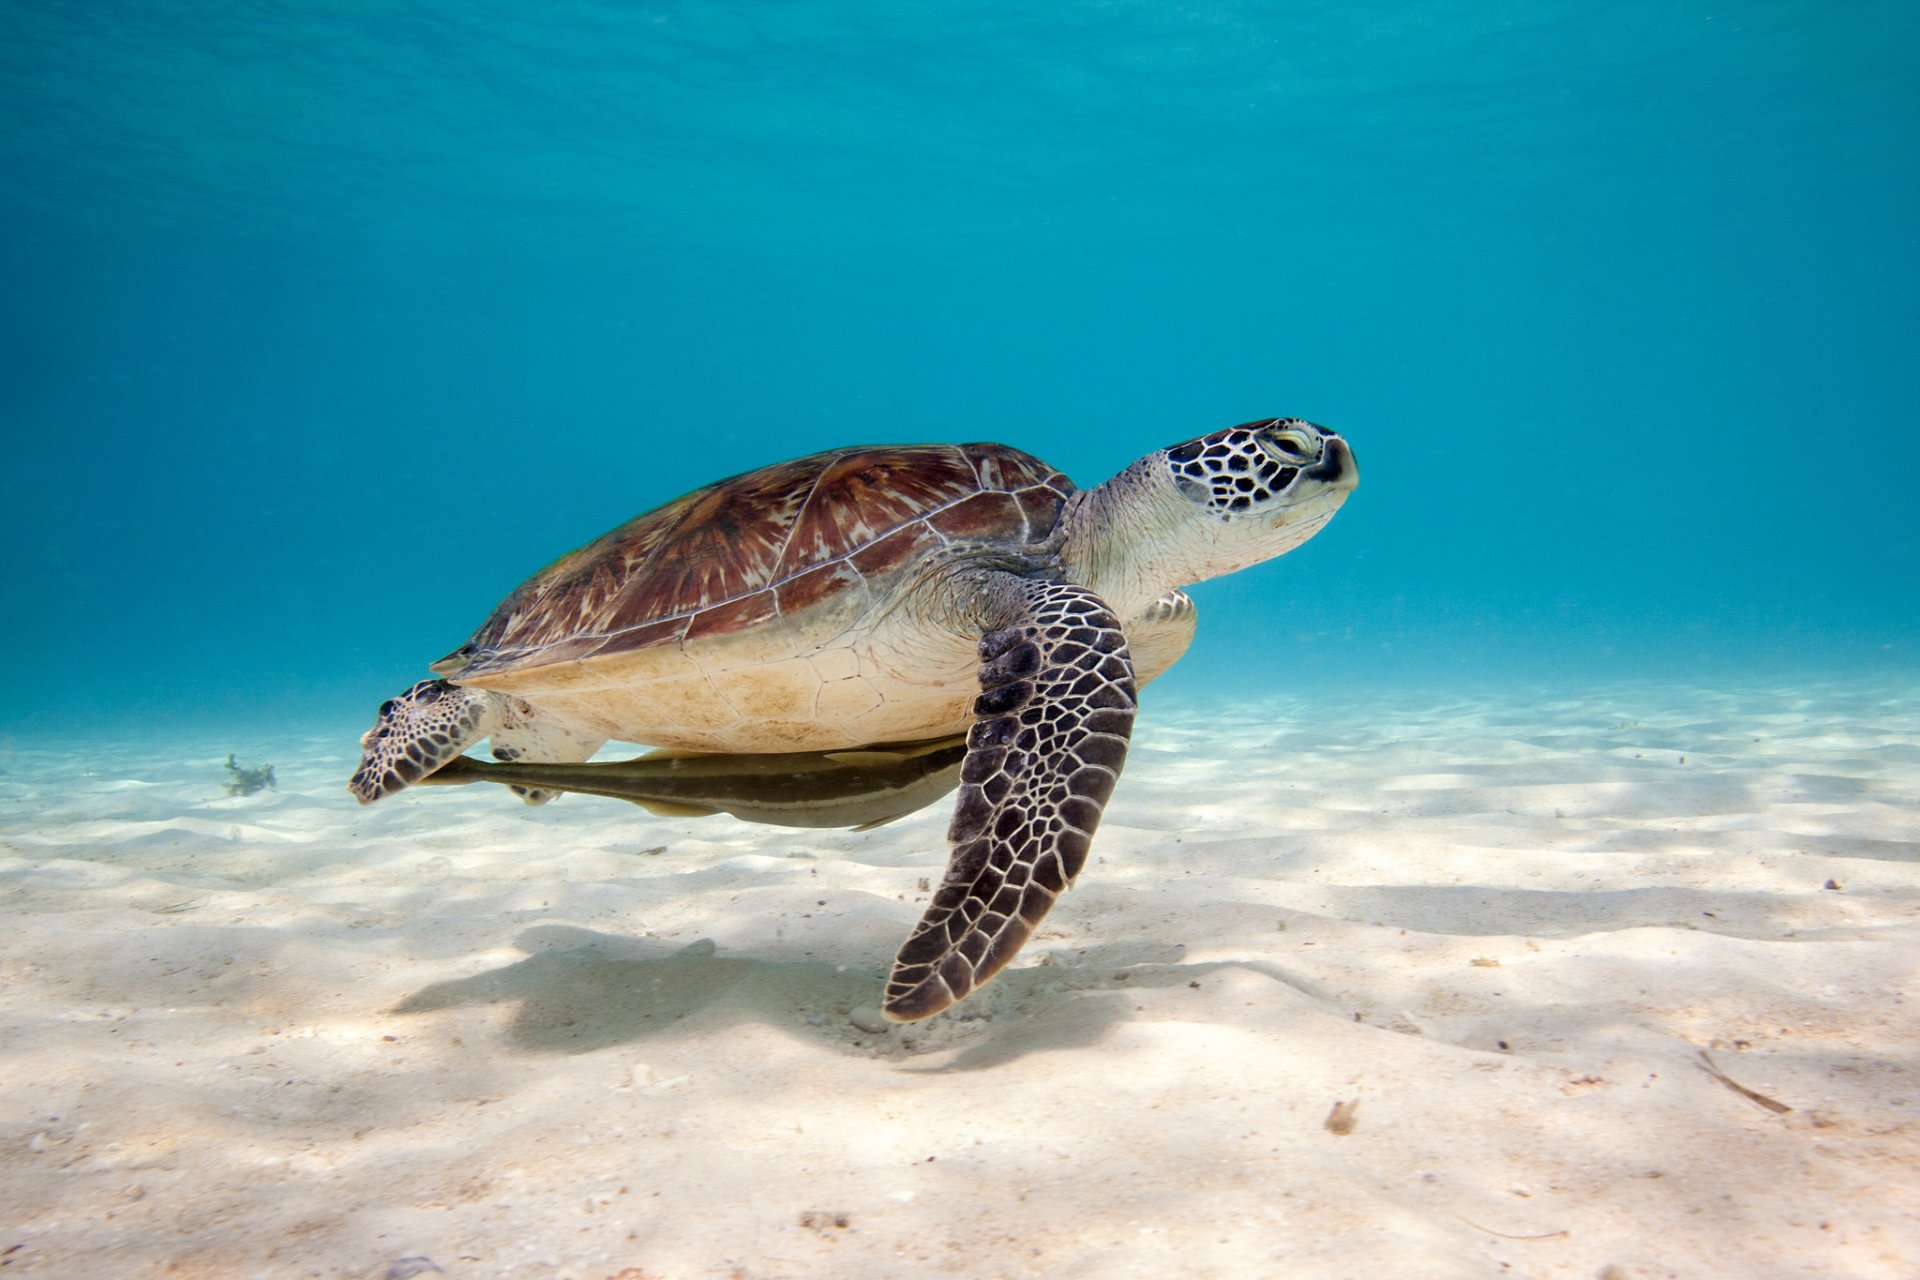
(1609, 985)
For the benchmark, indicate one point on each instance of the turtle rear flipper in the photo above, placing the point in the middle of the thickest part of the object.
(418, 732)
(1048, 741)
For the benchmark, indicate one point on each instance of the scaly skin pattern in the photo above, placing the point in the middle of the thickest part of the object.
(1049, 737)
(418, 732)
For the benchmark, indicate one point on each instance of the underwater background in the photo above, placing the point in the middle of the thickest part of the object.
(322, 325)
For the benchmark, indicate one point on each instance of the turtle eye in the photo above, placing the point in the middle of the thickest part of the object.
(1290, 445)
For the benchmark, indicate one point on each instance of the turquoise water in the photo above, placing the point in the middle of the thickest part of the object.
(325, 324)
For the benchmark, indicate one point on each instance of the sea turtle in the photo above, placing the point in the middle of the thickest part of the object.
(884, 597)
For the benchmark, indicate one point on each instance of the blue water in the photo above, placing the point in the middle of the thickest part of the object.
(324, 324)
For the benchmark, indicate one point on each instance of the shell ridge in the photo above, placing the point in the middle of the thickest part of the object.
(544, 639)
(773, 583)
(800, 514)
(543, 600)
(639, 573)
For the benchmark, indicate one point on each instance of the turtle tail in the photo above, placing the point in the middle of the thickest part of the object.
(418, 732)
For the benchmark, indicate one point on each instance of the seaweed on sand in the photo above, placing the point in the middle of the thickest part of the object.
(245, 782)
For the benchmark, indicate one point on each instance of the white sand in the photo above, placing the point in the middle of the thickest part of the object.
(279, 1035)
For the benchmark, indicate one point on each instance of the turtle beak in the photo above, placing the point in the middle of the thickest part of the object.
(1336, 468)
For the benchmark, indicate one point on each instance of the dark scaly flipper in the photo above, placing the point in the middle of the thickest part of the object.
(418, 732)
(1048, 741)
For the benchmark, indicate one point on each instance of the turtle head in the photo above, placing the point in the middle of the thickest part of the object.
(1258, 490)
(1264, 476)
(1210, 506)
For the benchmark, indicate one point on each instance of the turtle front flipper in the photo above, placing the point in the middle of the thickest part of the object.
(1048, 741)
(521, 734)
(418, 732)
(1161, 634)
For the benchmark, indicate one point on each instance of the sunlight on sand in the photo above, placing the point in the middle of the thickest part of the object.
(1412, 984)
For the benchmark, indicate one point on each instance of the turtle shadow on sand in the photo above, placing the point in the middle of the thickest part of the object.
(579, 991)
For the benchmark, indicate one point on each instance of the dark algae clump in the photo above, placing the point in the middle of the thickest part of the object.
(244, 782)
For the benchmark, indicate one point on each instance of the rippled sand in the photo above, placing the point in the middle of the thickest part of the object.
(1623, 984)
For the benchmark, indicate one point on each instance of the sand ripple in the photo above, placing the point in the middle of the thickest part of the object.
(1416, 984)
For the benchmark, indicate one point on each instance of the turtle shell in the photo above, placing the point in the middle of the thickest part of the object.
(770, 544)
